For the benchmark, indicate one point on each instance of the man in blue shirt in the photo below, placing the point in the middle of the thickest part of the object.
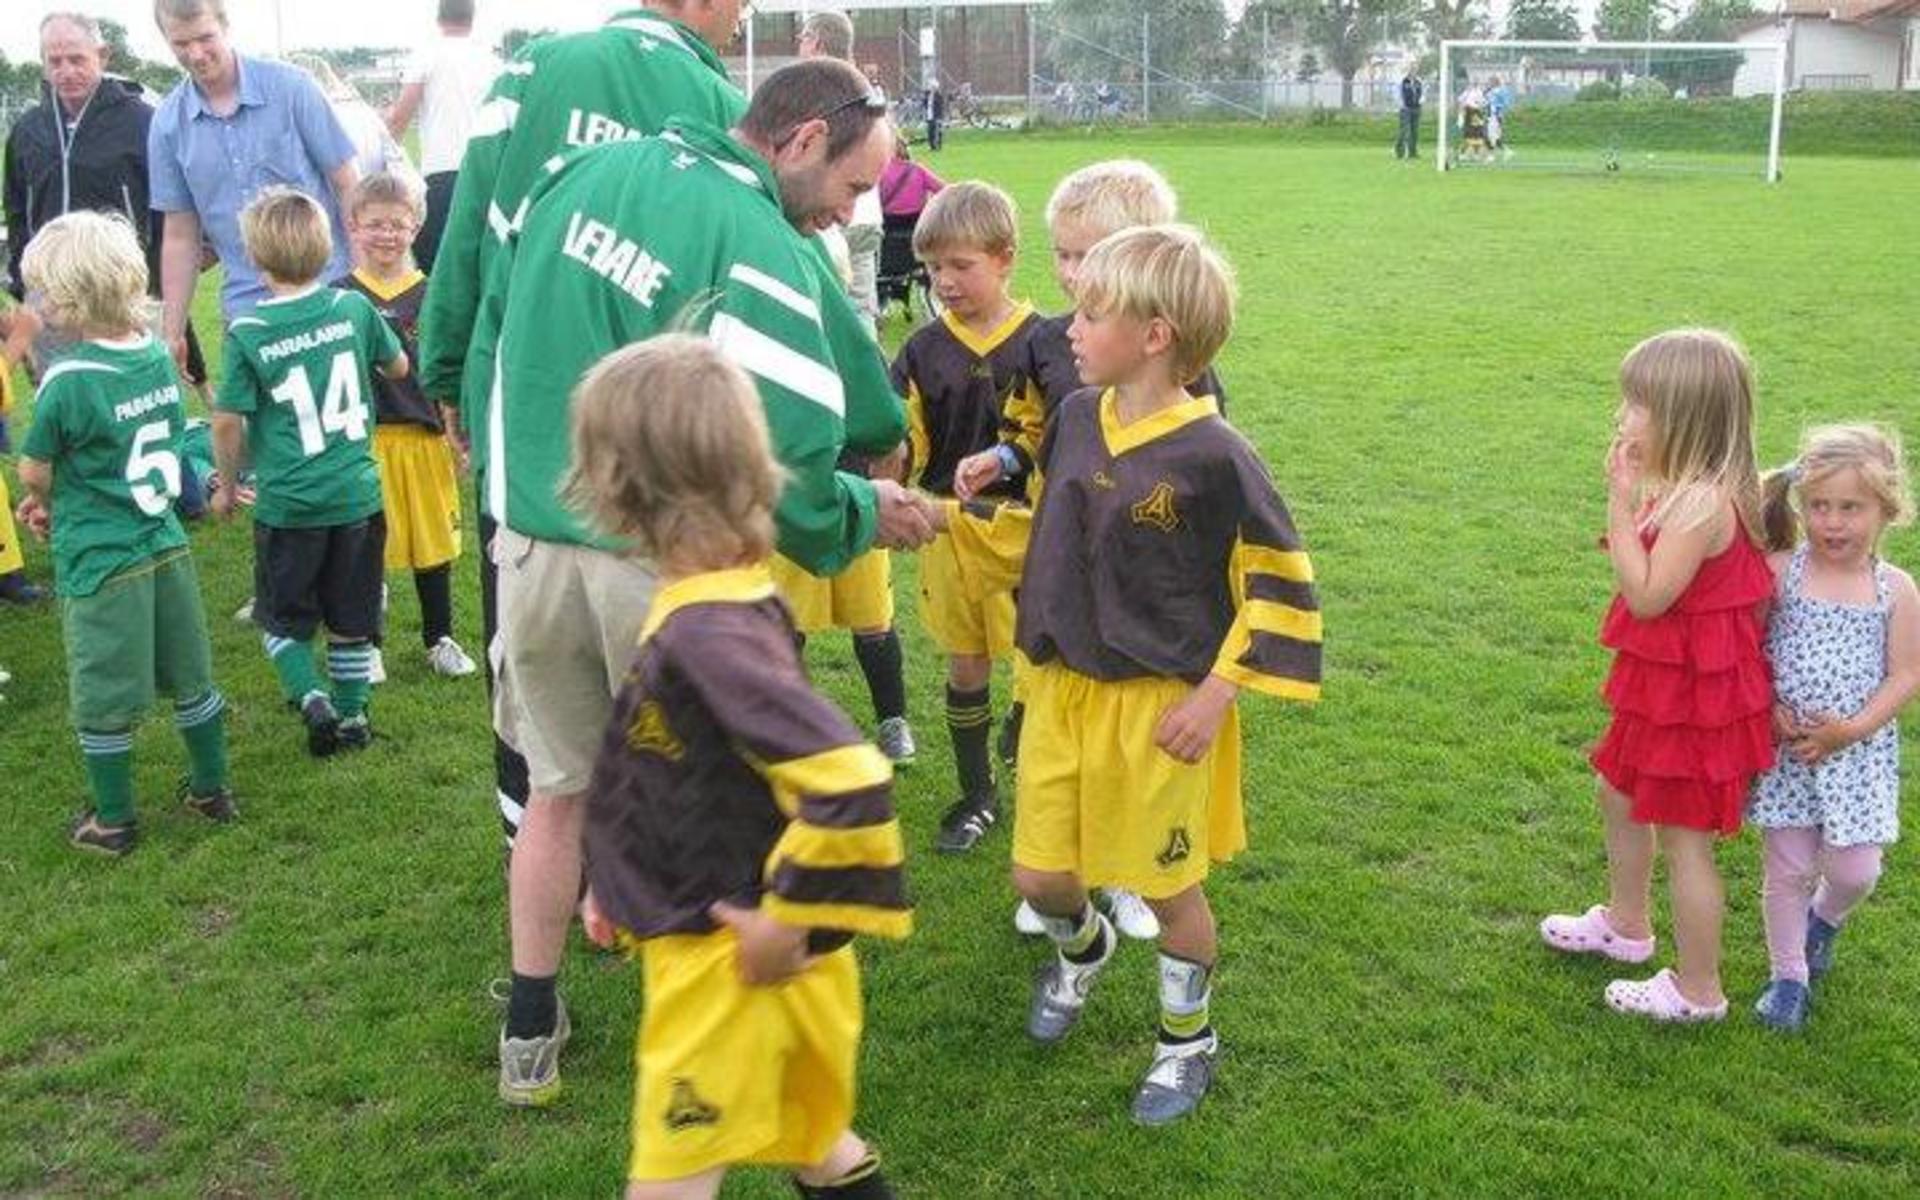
(234, 125)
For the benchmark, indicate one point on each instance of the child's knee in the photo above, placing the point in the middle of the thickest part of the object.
(1856, 869)
(1054, 892)
(969, 672)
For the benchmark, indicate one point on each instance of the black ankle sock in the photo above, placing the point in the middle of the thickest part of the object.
(879, 655)
(435, 587)
(969, 722)
(532, 1008)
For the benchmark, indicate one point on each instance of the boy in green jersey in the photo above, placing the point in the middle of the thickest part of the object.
(297, 389)
(102, 468)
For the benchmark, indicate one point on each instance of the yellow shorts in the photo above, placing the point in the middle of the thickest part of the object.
(11, 559)
(736, 1074)
(422, 497)
(1096, 797)
(860, 597)
(961, 614)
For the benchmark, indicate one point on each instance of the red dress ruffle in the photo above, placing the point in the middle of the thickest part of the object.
(1692, 697)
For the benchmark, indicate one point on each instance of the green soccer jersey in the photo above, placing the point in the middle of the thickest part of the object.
(620, 81)
(682, 231)
(297, 368)
(108, 420)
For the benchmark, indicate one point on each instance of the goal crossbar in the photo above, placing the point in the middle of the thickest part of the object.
(1777, 49)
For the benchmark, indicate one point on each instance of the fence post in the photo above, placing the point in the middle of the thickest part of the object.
(1033, 67)
(1266, 60)
(1146, 67)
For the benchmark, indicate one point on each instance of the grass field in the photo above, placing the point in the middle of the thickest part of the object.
(298, 1005)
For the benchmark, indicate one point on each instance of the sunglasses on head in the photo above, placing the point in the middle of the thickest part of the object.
(873, 100)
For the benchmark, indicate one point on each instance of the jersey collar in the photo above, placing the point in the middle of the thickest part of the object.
(738, 585)
(665, 29)
(1122, 438)
(984, 344)
(384, 290)
(723, 151)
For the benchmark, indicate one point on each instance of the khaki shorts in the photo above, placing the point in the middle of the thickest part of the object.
(570, 620)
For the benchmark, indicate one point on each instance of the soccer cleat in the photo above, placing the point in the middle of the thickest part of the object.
(355, 733)
(964, 824)
(895, 739)
(1027, 921)
(323, 725)
(376, 666)
(217, 807)
(449, 661)
(1176, 1082)
(87, 833)
(1783, 1005)
(1060, 990)
(1132, 916)
(1820, 937)
(530, 1067)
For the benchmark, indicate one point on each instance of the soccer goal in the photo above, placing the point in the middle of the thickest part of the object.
(1612, 106)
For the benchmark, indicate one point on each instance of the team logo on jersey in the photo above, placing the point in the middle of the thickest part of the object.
(1179, 846)
(1157, 509)
(650, 734)
(1103, 481)
(686, 1110)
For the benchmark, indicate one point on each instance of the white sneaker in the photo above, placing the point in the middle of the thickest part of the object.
(377, 667)
(449, 660)
(1132, 916)
(1027, 921)
(244, 614)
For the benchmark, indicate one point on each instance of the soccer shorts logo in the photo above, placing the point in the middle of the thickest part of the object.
(1157, 509)
(1179, 846)
(686, 1110)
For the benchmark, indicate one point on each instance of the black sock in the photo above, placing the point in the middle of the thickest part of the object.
(864, 1182)
(435, 586)
(532, 1008)
(969, 722)
(879, 655)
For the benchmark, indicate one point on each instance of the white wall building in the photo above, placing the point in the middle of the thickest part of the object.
(1835, 45)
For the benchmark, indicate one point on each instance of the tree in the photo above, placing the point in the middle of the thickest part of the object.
(1543, 21)
(1105, 39)
(1444, 20)
(1309, 68)
(120, 55)
(1708, 73)
(1631, 20)
(1264, 28)
(1345, 32)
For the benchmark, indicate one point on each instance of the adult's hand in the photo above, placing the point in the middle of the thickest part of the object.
(905, 521)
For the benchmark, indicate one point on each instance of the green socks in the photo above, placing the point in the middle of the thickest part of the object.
(109, 759)
(293, 663)
(205, 734)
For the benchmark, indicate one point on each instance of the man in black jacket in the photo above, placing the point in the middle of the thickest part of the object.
(83, 147)
(1411, 93)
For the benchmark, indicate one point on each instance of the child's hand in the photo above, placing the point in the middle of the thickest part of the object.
(1623, 468)
(976, 473)
(599, 929)
(1819, 737)
(19, 326)
(33, 514)
(1188, 728)
(1786, 723)
(770, 951)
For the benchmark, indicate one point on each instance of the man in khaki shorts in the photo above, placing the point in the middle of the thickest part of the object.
(700, 227)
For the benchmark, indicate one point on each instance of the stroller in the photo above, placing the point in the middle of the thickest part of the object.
(901, 274)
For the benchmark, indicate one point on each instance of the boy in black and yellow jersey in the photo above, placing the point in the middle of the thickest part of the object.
(955, 374)
(739, 830)
(1164, 576)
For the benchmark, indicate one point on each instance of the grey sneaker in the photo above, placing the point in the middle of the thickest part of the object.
(895, 739)
(1176, 1082)
(530, 1067)
(1060, 990)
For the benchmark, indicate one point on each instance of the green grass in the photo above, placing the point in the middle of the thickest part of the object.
(297, 1006)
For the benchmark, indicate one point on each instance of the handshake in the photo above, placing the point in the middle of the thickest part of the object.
(908, 518)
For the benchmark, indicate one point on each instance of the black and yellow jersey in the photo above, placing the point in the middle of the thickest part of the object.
(398, 401)
(956, 384)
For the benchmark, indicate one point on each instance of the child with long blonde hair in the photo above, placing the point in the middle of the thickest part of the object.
(1844, 643)
(1689, 687)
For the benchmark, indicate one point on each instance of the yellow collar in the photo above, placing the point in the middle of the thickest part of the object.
(983, 345)
(1122, 438)
(385, 290)
(736, 585)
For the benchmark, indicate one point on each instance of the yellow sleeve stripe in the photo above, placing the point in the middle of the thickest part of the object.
(855, 918)
(834, 772)
(1282, 564)
(820, 848)
(1270, 616)
(1268, 685)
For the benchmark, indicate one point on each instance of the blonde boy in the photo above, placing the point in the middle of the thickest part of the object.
(296, 389)
(739, 830)
(101, 466)
(1165, 575)
(956, 374)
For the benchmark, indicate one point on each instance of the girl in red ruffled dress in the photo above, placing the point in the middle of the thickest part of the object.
(1689, 689)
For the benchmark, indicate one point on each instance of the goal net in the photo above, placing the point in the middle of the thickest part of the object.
(1612, 106)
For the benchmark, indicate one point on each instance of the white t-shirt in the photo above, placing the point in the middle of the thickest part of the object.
(457, 72)
(866, 208)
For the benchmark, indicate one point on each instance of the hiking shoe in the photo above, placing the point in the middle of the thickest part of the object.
(895, 739)
(354, 733)
(530, 1067)
(86, 832)
(323, 725)
(1060, 990)
(1783, 1005)
(217, 806)
(449, 661)
(964, 824)
(1820, 936)
(376, 667)
(1176, 1082)
(1132, 916)
(1007, 745)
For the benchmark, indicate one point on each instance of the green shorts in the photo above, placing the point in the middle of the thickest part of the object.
(142, 632)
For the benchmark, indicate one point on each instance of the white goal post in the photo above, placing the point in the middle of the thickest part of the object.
(1777, 49)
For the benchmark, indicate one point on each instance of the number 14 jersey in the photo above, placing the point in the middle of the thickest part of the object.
(297, 368)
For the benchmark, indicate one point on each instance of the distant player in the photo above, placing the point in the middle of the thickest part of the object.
(297, 391)
(739, 830)
(1164, 576)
